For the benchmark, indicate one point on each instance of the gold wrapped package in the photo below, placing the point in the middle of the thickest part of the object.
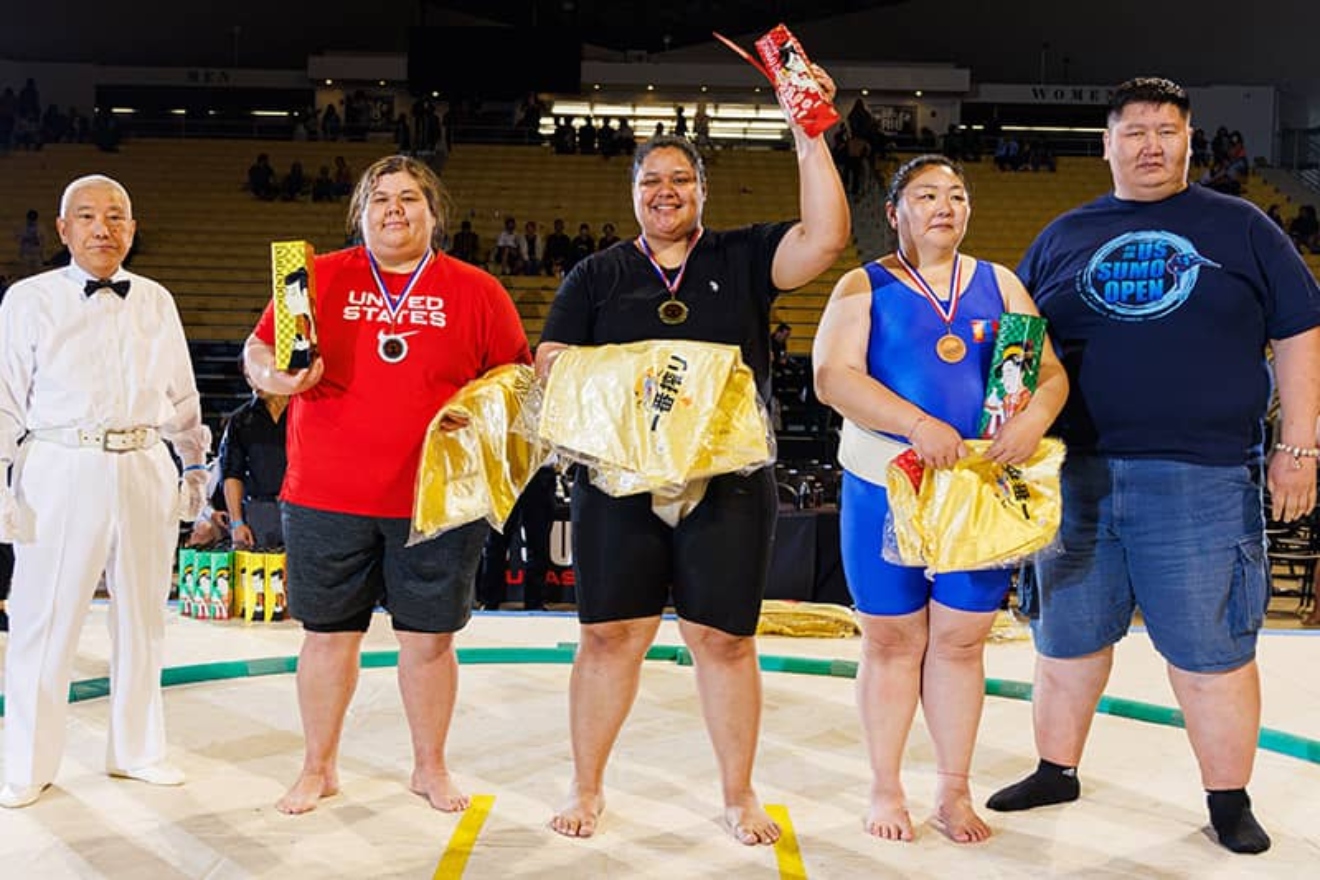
(655, 415)
(978, 513)
(478, 470)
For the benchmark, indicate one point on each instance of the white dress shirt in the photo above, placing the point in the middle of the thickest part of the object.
(68, 360)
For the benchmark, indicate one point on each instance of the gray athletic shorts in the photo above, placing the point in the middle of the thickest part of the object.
(341, 566)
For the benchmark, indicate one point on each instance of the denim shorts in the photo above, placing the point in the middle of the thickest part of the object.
(341, 566)
(1183, 543)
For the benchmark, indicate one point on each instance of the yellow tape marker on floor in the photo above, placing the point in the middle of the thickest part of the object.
(787, 853)
(456, 854)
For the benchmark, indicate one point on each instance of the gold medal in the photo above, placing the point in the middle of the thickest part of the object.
(673, 311)
(950, 348)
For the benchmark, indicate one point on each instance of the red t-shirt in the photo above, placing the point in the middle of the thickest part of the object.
(354, 440)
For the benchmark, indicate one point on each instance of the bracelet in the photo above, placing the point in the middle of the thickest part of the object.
(921, 418)
(235, 523)
(194, 467)
(1297, 453)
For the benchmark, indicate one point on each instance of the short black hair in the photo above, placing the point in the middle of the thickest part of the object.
(1149, 90)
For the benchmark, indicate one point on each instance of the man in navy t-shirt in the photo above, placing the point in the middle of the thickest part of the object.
(1162, 300)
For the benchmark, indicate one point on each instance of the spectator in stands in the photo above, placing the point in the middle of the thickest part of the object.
(1191, 559)
(779, 344)
(532, 518)
(375, 387)
(403, 139)
(1273, 213)
(857, 163)
(507, 257)
(94, 493)
(682, 281)
(252, 465)
(106, 131)
(558, 250)
(331, 125)
(532, 249)
(1007, 153)
(343, 177)
(626, 138)
(261, 179)
(701, 128)
(1200, 149)
(890, 359)
(31, 244)
(1221, 178)
(294, 183)
(1041, 155)
(466, 245)
(1304, 230)
(564, 139)
(8, 116)
(584, 245)
(608, 238)
(323, 187)
(607, 139)
(586, 137)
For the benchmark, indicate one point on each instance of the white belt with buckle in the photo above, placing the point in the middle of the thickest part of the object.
(126, 440)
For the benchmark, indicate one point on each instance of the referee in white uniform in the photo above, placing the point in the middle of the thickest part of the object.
(94, 374)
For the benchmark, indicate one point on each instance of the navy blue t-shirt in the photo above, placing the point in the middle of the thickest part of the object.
(612, 296)
(1161, 312)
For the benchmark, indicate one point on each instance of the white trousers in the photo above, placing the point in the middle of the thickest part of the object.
(95, 513)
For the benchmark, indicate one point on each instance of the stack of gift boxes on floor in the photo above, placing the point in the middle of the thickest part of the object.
(224, 584)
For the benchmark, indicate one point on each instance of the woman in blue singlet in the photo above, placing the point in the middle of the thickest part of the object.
(903, 353)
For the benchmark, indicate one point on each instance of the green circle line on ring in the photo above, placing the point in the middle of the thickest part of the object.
(1269, 740)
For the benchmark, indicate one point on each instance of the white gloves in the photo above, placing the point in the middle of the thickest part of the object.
(192, 494)
(16, 526)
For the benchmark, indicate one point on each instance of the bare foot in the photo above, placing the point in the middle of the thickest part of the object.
(957, 820)
(304, 794)
(440, 791)
(749, 823)
(888, 818)
(579, 814)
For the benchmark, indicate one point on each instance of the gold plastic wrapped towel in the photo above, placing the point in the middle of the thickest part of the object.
(478, 470)
(781, 617)
(655, 414)
(976, 514)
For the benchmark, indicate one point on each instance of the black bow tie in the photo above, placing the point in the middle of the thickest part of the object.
(95, 284)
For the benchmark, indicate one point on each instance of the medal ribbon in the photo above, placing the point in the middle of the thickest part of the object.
(671, 286)
(394, 304)
(955, 287)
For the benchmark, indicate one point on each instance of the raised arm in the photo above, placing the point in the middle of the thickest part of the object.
(817, 240)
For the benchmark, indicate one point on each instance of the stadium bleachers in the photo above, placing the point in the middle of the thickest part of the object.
(207, 239)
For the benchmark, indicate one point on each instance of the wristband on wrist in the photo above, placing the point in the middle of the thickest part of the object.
(235, 523)
(921, 418)
(194, 467)
(1297, 453)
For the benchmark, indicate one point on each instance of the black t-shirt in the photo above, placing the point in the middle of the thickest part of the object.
(253, 450)
(613, 296)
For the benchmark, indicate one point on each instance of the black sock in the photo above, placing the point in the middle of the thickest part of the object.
(1231, 816)
(1050, 784)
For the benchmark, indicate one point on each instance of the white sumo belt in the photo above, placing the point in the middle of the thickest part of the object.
(126, 440)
